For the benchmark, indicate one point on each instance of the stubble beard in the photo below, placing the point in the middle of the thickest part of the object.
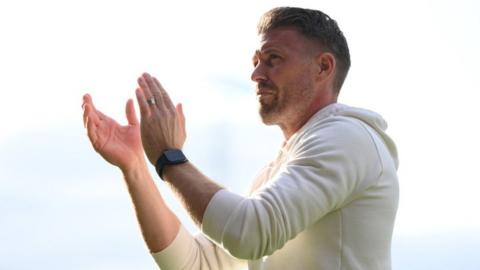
(291, 107)
(270, 111)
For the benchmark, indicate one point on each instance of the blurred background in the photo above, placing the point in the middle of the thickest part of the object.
(63, 207)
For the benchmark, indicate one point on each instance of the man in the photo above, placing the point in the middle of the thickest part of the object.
(329, 199)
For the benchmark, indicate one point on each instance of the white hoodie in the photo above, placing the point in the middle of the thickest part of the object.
(328, 201)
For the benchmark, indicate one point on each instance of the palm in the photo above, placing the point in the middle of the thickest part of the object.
(119, 145)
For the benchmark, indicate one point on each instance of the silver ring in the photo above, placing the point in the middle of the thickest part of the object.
(151, 101)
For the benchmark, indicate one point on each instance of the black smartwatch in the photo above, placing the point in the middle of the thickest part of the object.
(169, 157)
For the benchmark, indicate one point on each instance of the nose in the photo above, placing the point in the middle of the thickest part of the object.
(258, 73)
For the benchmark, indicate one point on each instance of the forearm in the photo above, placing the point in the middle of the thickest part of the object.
(195, 189)
(163, 127)
(158, 223)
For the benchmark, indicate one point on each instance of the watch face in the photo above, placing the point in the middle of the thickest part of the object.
(174, 156)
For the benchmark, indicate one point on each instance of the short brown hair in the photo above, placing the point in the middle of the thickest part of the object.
(313, 24)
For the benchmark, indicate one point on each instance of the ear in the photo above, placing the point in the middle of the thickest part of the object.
(326, 66)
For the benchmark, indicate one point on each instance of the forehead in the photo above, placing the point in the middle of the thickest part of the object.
(283, 38)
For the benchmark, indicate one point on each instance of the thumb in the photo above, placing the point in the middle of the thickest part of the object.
(130, 112)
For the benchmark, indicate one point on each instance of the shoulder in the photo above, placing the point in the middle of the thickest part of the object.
(334, 132)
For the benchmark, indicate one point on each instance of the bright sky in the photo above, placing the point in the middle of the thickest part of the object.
(415, 62)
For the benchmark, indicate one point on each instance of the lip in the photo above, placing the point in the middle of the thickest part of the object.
(261, 92)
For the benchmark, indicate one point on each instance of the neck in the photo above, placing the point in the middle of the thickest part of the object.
(291, 127)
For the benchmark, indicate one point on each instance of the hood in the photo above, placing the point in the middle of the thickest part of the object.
(371, 118)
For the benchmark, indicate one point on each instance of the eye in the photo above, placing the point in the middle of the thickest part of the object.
(272, 58)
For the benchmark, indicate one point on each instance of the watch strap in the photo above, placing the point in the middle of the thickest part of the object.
(169, 157)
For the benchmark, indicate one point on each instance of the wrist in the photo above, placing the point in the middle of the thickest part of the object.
(169, 158)
(134, 168)
(169, 172)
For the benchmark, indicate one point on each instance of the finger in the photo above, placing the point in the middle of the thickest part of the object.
(154, 91)
(85, 114)
(142, 103)
(181, 116)
(90, 115)
(87, 99)
(101, 115)
(92, 131)
(163, 94)
(147, 92)
(83, 100)
(130, 112)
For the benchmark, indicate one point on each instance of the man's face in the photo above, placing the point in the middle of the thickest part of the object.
(284, 73)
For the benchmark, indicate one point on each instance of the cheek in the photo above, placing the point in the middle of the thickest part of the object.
(300, 90)
(292, 82)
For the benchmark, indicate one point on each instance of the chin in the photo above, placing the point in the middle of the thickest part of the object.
(268, 118)
(268, 122)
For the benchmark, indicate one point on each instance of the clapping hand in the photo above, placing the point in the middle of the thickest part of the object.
(162, 123)
(119, 145)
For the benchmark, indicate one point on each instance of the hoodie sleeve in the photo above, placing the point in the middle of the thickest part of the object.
(195, 253)
(325, 169)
